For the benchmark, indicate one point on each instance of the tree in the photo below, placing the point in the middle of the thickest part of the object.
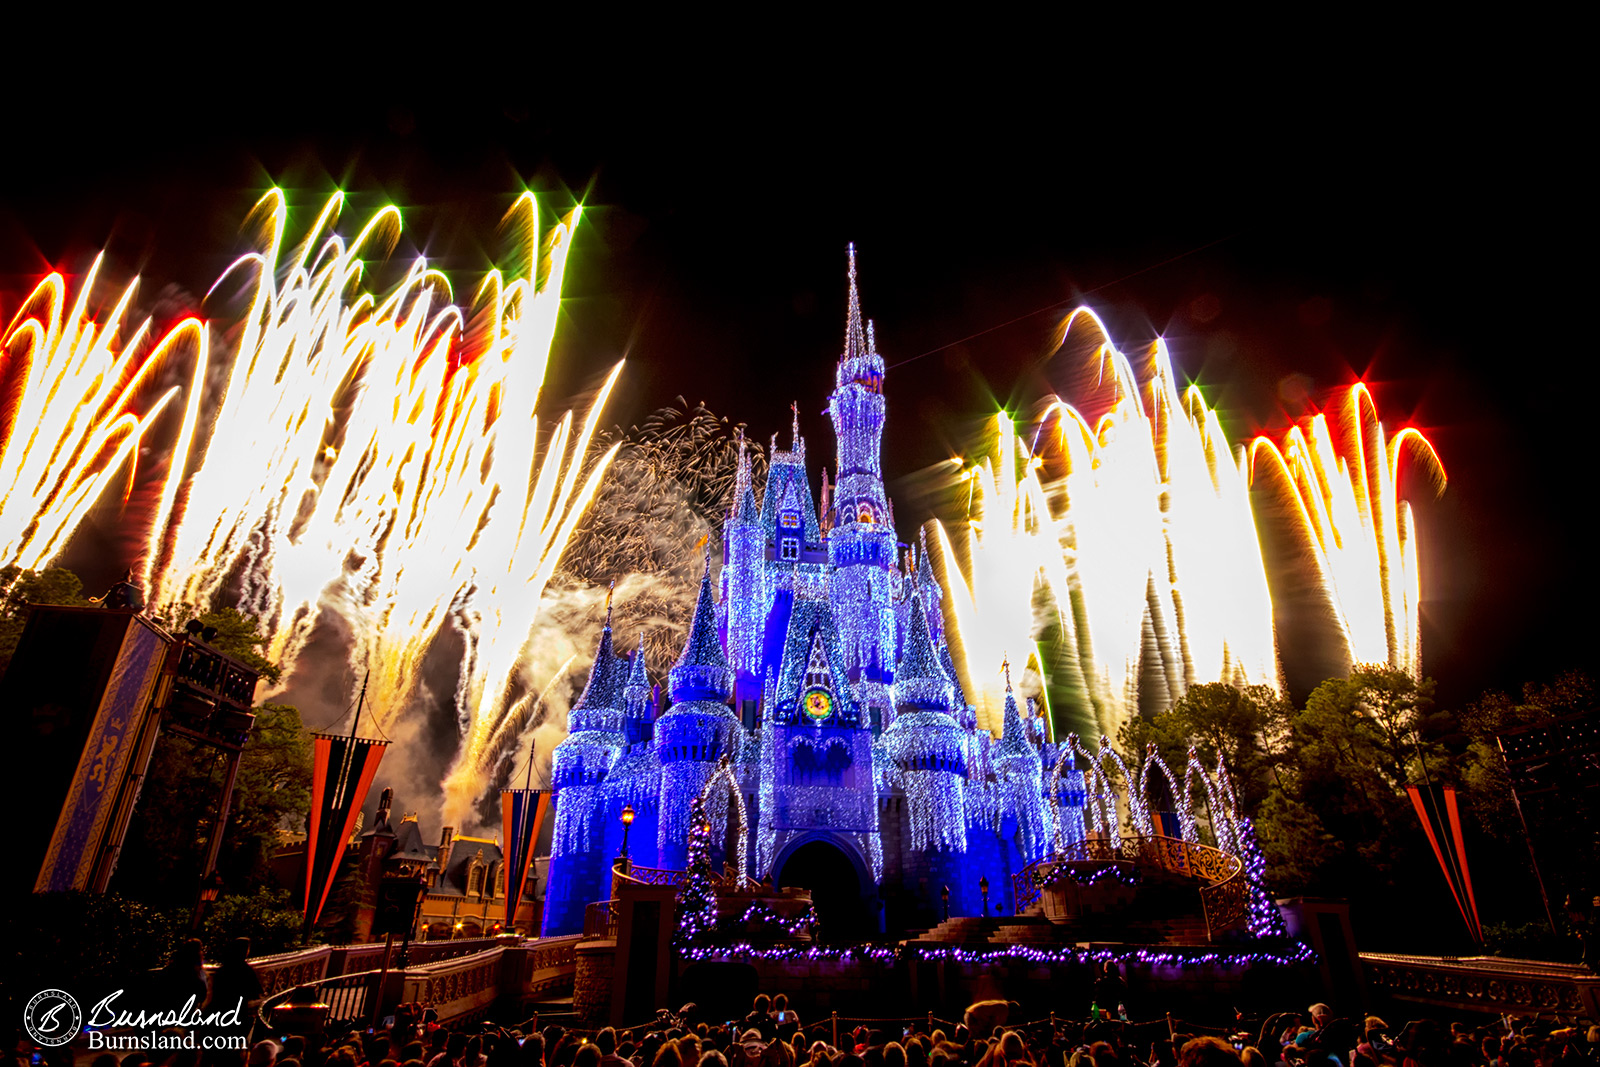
(87, 943)
(697, 899)
(240, 636)
(1247, 726)
(265, 915)
(54, 585)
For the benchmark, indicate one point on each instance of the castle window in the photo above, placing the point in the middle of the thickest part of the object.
(789, 548)
(475, 881)
(789, 520)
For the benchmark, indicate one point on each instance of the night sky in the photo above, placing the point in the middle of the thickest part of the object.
(1283, 250)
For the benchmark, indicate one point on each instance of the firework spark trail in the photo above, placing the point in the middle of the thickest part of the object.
(393, 478)
(1358, 531)
(1142, 540)
(1010, 548)
(71, 427)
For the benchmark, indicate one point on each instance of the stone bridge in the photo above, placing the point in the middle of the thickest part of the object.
(461, 980)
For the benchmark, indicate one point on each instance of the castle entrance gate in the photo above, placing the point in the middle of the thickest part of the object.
(845, 898)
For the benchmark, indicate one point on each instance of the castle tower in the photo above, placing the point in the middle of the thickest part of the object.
(861, 542)
(926, 746)
(1019, 780)
(579, 767)
(695, 732)
(818, 780)
(744, 591)
(635, 778)
(637, 705)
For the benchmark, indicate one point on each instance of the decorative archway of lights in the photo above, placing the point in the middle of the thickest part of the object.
(1099, 800)
(1215, 790)
(1154, 762)
(1218, 800)
(724, 774)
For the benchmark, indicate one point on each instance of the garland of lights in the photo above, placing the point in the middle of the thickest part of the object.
(1125, 873)
(1263, 917)
(1033, 954)
(797, 926)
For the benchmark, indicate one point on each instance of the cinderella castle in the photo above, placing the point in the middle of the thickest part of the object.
(817, 683)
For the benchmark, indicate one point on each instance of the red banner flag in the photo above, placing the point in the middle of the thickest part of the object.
(342, 769)
(1444, 865)
(522, 814)
(1461, 856)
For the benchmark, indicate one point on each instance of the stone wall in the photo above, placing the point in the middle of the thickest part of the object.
(592, 987)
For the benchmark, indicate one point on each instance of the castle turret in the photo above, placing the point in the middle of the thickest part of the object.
(635, 779)
(579, 768)
(638, 708)
(743, 591)
(861, 542)
(696, 731)
(926, 746)
(1019, 787)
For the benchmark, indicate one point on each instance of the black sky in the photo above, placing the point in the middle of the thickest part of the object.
(1282, 245)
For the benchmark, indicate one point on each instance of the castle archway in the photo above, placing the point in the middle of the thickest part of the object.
(845, 896)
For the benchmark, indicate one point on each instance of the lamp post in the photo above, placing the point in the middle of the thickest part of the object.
(983, 887)
(944, 895)
(627, 822)
(210, 886)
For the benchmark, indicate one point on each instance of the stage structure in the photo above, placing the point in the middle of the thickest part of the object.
(89, 690)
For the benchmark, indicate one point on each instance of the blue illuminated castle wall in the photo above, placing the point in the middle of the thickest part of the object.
(816, 662)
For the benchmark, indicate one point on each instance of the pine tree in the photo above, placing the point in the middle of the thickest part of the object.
(697, 900)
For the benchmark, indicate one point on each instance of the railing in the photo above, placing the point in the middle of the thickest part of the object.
(456, 978)
(422, 953)
(653, 876)
(468, 986)
(727, 879)
(457, 987)
(600, 920)
(286, 970)
(343, 998)
(1226, 904)
(1486, 983)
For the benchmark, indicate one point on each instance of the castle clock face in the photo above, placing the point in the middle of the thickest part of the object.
(819, 704)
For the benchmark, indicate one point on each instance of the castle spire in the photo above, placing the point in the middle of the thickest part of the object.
(606, 678)
(794, 426)
(702, 670)
(855, 344)
(744, 493)
(1013, 735)
(827, 502)
(921, 680)
(638, 672)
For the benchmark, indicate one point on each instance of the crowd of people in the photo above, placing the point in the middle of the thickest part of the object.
(772, 1034)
